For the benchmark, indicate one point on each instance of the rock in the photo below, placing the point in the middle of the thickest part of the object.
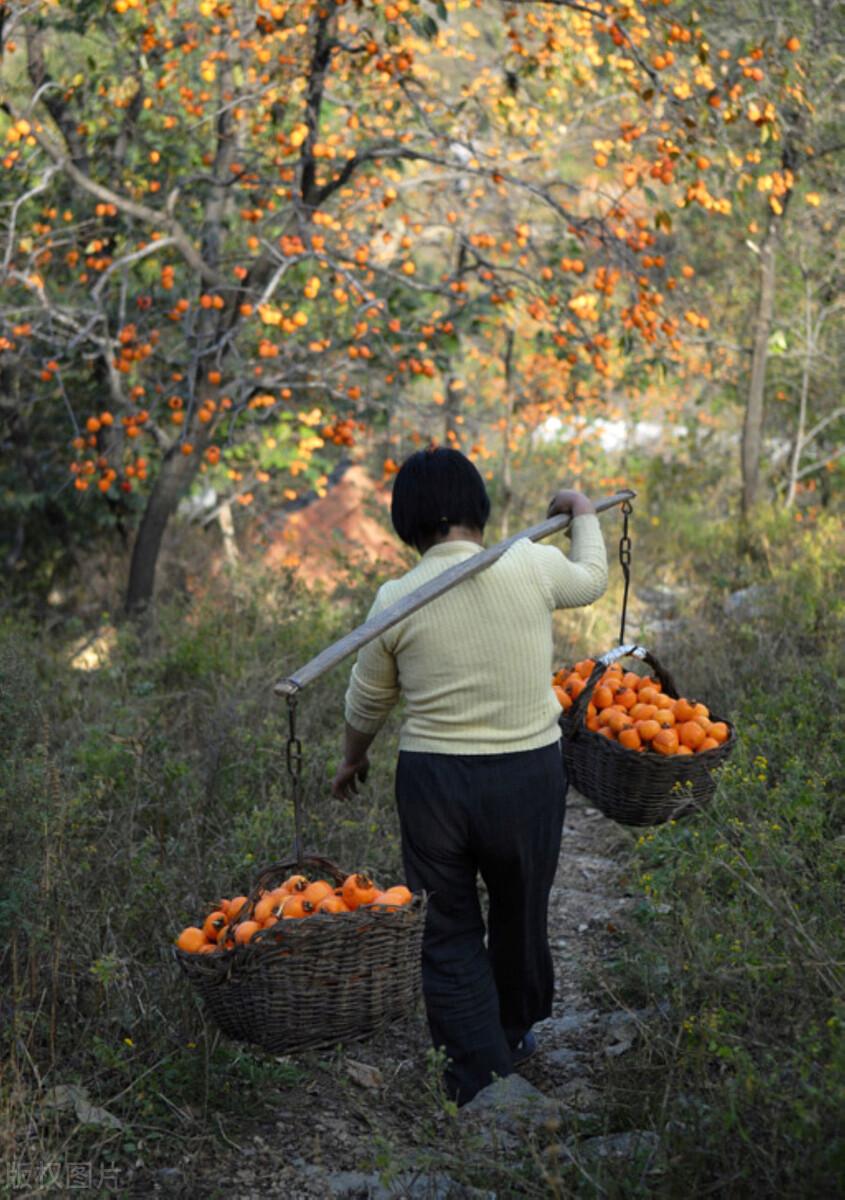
(563, 1058)
(633, 1143)
(566, 1028)
(347, 1183)
(505, 1108)
(579, 1094)
(364, 1074)
(437, 1186)
(511, 1096)
(750, 603)
(72, 1095)
(622, 1031)
(356, 1183)
(410, 1185)
(662, 600)
(663, 628)
(592, 865)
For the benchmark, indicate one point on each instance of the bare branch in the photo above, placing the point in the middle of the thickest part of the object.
(145, 251)
(816, 430)
(820, 463)
(49, 172)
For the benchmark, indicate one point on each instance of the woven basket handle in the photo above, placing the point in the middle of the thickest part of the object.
(578, 712)
(278, 871)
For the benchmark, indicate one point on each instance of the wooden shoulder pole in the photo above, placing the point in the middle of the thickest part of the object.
(384, 620)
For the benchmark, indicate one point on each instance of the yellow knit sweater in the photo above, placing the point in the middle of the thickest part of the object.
(474, 666)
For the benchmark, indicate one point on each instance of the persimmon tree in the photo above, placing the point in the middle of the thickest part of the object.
(200, 251)
(744, 104)
(168, 245)
(233, 234)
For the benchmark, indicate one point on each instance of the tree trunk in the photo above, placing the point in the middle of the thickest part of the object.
(452, 418)
(452, 411)
(798, 446)
(752, 430)
(507, 478)
(174, 479)
(227, 531)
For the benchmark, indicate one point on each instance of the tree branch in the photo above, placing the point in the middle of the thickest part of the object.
(223, 158)
(58, 110)
(49, 172)
(816, 430)
(142, 212)
(320, 59)
(820, 463)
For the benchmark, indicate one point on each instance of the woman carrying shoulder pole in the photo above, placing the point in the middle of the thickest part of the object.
(480, 781)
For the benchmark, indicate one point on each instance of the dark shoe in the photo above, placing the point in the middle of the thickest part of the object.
(524, 1049)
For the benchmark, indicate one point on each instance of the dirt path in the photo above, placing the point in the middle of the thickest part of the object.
(366, 1122)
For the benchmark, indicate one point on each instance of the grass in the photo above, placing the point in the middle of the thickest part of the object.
(738, 932)
(133, 795)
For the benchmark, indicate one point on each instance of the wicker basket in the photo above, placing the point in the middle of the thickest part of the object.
(632, 788)
(314, 982)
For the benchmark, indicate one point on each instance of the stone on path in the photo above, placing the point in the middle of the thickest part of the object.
(631, 1143)
(573, 1025)
(510, 1099)
(410, 1185)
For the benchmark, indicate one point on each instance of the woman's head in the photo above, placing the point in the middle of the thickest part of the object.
(434, 490)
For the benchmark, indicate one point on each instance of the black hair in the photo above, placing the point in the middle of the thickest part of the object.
(434, 489)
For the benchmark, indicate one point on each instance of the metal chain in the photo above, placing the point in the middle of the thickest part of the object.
(293, 756)
(625, 562)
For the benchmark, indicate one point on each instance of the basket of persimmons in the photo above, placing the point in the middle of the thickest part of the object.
(635, 747)
(313, 956)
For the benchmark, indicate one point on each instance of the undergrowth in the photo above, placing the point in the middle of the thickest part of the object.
(134, 794)
(738, 939)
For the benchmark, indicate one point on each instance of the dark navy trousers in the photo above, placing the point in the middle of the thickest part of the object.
(500, 816)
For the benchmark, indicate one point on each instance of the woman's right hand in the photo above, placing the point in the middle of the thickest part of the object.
(348, 776)
(566, 501)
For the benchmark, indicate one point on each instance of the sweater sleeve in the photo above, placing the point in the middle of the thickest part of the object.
(374, 681)
(581, 578)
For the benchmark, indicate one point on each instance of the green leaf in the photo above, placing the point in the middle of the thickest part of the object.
(426, 27)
